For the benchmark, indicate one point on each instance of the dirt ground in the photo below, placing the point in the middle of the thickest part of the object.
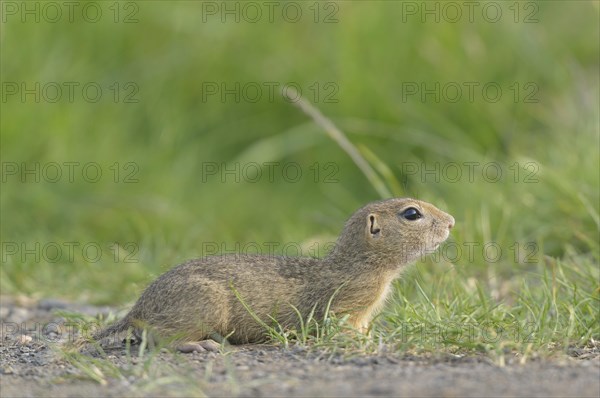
(30, 366)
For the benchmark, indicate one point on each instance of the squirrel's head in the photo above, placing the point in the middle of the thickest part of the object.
(399, 229)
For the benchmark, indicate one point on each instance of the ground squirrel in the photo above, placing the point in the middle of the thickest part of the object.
(200, 299)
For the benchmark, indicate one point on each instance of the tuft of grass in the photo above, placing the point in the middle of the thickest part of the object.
(142, 369)
(545, 311)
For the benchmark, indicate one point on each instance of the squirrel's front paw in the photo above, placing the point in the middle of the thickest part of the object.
(199, 346)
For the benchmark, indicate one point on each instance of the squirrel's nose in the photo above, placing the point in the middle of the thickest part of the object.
(451, 223)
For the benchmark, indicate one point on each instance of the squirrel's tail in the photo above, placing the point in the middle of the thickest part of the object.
(120, 326)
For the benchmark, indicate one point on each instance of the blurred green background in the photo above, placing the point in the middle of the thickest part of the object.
(157, 129)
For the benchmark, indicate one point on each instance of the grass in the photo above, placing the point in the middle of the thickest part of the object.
(520, 275)
(145, 373)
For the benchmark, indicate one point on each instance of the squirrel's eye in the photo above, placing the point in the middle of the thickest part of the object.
(411, 214)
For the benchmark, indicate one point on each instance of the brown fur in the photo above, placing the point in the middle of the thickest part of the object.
(196, 300)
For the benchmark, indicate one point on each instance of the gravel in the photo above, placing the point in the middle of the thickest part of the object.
(31, 365)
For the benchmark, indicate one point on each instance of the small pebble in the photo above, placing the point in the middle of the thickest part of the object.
(50, 304)
(24, 339)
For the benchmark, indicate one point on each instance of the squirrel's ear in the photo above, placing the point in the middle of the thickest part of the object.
(373, 226)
